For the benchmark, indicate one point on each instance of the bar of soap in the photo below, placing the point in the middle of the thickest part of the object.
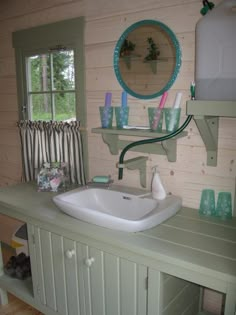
(101, 179)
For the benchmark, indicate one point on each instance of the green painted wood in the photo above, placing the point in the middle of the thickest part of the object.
(167, 148)
(128, 293)
(212, 108)
(60, 276)
(214, 229)
(116, 285)
(192, 240)
(80, 276)
(193, 214)
(111, 284)
(65, 274)
(142, 289)
(3, 293)
(3, 296)
(204, 313)
(162, 252)
(171, 288)
(111, 138)
(39, 262)
(22, 291)
(140, 164)
(155, 297)
(48, 269)
(33, 262)
(71, 278)
(87, 286)
(230, 301)
(206, 115)
(96, 273)
(183, 300)
(112, 142)
(135, 132)
(144, 148)
(193, 308)
(208, 128)
(215, 271)
(170, 149)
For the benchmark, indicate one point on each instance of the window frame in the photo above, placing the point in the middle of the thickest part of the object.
(39, 39)
(50, 91)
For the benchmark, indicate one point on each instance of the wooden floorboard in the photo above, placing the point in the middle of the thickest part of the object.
(17, 307)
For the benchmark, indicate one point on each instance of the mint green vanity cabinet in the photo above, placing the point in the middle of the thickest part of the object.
(73, 278)
(82, 269)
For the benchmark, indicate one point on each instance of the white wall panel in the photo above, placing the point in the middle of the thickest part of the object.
(105, 21)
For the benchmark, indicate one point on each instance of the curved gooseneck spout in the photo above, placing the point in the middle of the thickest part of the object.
(153, 140)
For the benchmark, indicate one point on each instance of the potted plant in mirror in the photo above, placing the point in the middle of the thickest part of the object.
(126, 51)
(153, 53)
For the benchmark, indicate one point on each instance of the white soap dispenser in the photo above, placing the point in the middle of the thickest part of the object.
(158, 191)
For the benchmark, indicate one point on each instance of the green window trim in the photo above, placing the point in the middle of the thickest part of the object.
(39, 39)
(68, 33)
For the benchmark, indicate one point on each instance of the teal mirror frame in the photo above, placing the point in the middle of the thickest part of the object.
(176, 46)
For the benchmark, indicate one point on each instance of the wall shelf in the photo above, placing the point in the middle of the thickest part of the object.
(206, 115)
(137, 163)
(111, 138)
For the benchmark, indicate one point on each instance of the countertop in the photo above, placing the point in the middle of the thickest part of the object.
(195, 248)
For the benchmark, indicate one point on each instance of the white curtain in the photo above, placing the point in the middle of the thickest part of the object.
(52, 142)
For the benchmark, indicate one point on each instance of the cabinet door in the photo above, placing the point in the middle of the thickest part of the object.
(75, 279)
(59, 274)
(113, 285)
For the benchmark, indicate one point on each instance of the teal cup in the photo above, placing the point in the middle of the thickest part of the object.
(207, 204)
(122, 116)
(224, 205)
(155, 116)
(172, 118)
(106, 115)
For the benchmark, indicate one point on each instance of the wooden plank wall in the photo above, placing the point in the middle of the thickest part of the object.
(105, 22)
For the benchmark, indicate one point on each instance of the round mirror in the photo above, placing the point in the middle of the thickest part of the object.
(147, 59)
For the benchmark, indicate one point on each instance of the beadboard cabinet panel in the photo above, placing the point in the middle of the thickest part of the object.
(74, 279)
(60, 282)
(159, 270)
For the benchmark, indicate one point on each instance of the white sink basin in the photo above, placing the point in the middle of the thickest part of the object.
(116, 210)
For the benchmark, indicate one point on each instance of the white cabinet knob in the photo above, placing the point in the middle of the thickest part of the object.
(70, 253)
(89, 261)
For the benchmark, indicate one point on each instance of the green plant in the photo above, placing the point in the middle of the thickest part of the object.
(153, 50)
(126, 48)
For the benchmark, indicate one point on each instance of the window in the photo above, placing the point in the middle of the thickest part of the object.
(51, 85)
(50, 71)
(50, 74)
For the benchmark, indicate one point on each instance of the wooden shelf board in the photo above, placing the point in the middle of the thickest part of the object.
(136, 132)
(212, 108)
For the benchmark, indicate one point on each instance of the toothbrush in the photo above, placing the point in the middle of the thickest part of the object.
(192, 90)
(124, 99)
(108, 99)
(176, 105)
(177, 100)
(158, 111)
